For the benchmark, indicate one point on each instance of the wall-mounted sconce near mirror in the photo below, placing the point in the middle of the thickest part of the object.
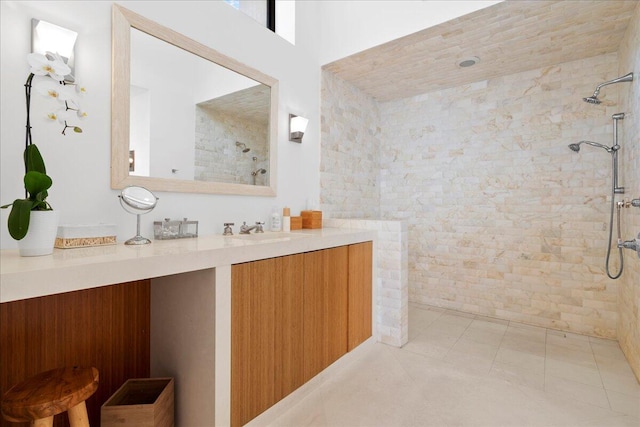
(222, 103)
(47, 39)
(297, 127)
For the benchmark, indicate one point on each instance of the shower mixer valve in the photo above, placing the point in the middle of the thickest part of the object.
(626, 203)
(634, 245)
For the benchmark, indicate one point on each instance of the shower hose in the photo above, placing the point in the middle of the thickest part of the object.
(613, 206)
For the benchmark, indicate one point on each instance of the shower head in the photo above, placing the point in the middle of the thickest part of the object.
(244, 148)
(259, 171)
(594, 98)
(576, 147)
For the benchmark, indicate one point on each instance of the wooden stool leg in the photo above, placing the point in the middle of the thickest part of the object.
(78, 415)
(43, 422)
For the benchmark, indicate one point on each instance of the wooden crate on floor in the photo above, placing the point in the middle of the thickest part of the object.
(140, 402)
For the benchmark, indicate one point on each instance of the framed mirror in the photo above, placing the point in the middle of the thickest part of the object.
(186, 118)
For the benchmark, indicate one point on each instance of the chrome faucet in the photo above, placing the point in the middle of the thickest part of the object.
(245, 229)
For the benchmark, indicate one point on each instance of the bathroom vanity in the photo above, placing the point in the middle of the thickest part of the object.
(234, 319)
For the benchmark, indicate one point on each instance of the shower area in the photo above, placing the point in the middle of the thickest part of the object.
(503, 219)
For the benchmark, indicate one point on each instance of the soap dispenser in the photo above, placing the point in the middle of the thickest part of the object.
(276, 223)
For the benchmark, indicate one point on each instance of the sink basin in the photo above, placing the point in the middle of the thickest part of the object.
(269, 235)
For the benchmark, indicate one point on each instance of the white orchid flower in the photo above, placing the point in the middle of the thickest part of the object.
(41, 66)
(81, 114)
(55, 90)
(63, 115)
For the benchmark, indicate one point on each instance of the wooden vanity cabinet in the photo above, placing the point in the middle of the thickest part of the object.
(291, 317)
(266, 334)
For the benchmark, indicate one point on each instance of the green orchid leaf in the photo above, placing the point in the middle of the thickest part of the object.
(18, 221)
(36, 182)
(33, 159)
(76, 129)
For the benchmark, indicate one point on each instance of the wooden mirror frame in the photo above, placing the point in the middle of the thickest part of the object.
(123, 21)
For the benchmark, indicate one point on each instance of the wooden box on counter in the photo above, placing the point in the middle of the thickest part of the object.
(296, 223)
(140, 402)
(311, 219)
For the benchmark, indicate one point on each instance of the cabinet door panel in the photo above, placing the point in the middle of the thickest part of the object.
(288, 331)
(252, 338)
(324, 308)
(360, 295)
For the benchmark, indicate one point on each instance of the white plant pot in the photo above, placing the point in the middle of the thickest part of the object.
(41, 237)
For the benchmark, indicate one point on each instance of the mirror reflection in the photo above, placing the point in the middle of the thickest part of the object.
(187, 118)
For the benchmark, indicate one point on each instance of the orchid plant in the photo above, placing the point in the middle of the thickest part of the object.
(52, 79)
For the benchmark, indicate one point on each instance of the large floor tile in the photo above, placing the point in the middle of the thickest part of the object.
(518, 375)
(465, 370)
(573, 372)
(523, 345)
(624, 403)
(518, 358)
(625, 383)
(576, 391)
(569, 355)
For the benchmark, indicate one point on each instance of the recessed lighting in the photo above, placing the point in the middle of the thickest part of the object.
(468, 62)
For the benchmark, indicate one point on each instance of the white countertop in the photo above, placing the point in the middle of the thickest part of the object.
(81, 268)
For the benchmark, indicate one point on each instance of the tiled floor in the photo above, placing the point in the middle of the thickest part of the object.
(465, 370)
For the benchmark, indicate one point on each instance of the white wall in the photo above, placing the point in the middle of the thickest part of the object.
(80, 163)
(348, 27)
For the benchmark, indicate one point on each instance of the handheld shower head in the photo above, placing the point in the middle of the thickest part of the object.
(576, 146)
(593, 99)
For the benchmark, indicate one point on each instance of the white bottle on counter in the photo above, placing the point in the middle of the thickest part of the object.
(286, 219)
(276, 223)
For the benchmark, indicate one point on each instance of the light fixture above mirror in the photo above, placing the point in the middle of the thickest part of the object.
(245, 94)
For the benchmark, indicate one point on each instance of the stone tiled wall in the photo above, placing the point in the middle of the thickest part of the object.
(629, 296)
(391, 276)
(504, 220)
(218, 159)
(349, 162)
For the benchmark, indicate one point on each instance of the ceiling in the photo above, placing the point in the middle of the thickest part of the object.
(509, 37)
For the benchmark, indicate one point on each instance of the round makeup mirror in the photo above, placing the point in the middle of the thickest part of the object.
(138, 201)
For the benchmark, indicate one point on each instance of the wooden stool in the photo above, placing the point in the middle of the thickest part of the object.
(39, 398)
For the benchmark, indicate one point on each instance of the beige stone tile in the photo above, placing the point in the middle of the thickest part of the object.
(523, 345)
(565, 354)
(568, 340)
(577, 391)
(432, 345)
(518, 358)
(573, 372)
(607, 349)
(624, 403)
(622, 383)
(521, 375)
(530, 333)
(482, 335)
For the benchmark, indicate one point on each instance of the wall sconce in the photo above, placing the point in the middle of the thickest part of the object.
(297, 126)
(47, 37)
(132, 160)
